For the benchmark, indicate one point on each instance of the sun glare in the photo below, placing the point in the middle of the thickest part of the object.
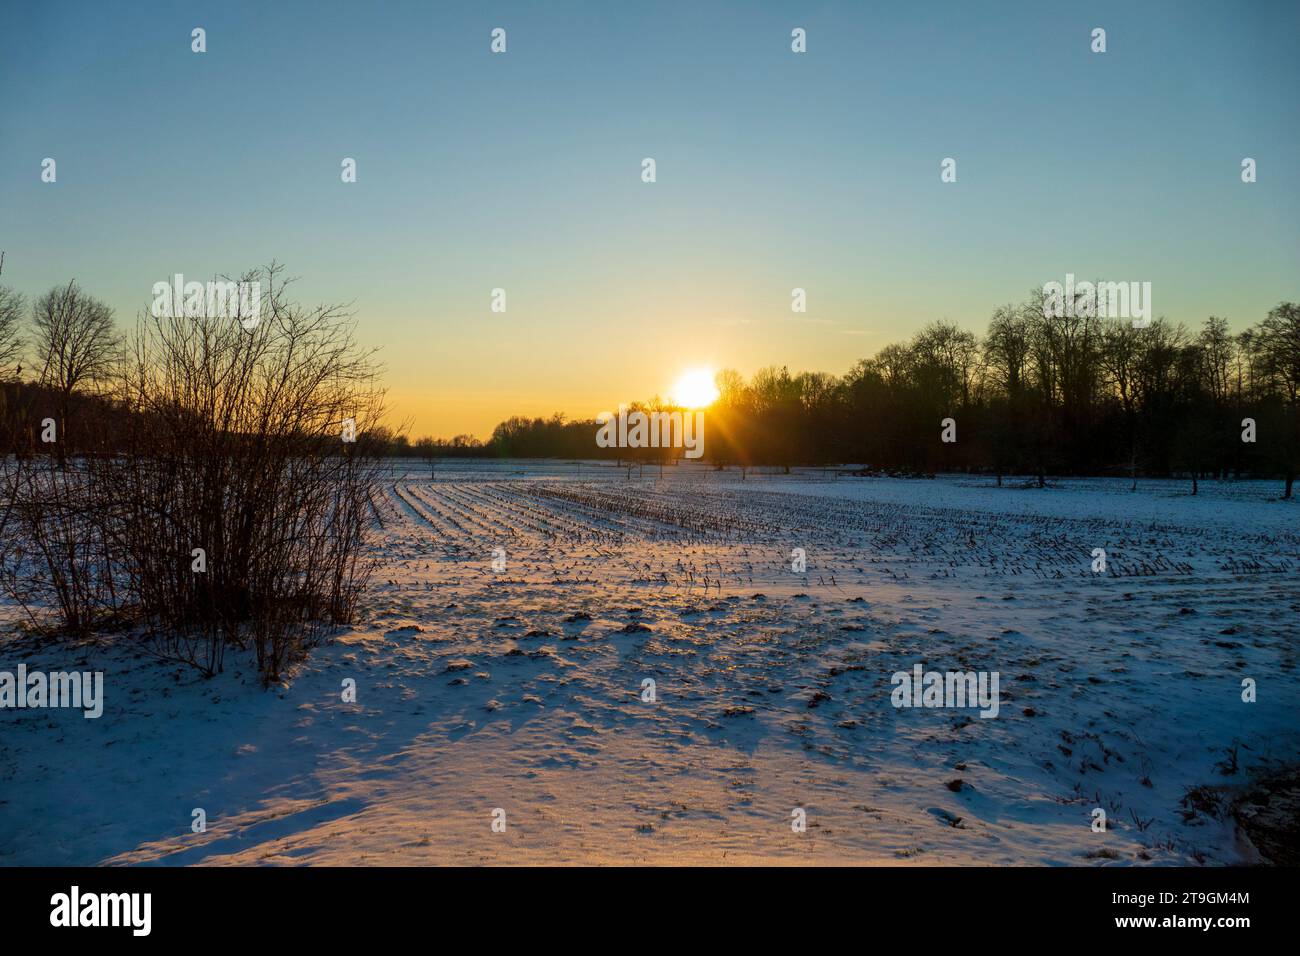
(694, 388)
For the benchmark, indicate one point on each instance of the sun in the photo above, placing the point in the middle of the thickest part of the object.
(694, 388)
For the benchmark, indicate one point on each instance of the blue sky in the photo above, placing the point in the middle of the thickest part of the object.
(775, 170)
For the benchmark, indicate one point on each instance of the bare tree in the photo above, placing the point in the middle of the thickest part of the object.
(75, 344)
(11, 314)
(1007, 352)
(1277, 346)
(11, 343)
(1121, 355)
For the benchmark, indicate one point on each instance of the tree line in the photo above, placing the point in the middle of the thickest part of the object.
(1039, 396)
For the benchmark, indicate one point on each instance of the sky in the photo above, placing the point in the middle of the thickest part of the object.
(775, 171)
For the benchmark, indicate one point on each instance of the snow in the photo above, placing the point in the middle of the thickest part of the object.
(480, 689)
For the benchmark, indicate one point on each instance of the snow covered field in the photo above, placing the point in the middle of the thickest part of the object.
(522, 688)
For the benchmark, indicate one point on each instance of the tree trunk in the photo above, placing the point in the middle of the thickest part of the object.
(61, 439)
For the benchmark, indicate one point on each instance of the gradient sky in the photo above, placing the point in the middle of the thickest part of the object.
(775, 170)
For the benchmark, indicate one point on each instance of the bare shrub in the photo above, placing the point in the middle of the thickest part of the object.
(229, 508)
(55, 552)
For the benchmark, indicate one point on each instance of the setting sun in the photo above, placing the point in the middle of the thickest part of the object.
(694, 388)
